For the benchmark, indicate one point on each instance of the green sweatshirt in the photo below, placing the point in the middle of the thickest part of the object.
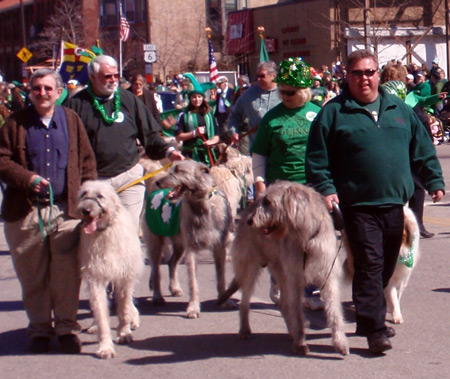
(282, 137)
(367, 162)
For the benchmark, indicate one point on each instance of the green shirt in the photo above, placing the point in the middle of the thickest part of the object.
(282, 137)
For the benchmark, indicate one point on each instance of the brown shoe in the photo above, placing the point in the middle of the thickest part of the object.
(40, 345)
(70, 344)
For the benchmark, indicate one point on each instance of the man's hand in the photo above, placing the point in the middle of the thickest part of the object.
(37, 183)
(260, 188)
(235, 138)
(437, 195)
(329, 201)
(176, 156)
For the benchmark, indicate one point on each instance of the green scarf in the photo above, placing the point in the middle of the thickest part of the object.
(195, 145)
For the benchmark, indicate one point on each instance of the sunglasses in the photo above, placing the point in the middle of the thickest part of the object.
(111, 76)
(261, 76)
(38, 89)
(286, 93)
(360, 73)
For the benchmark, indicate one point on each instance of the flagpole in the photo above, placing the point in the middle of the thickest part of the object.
(121, 42)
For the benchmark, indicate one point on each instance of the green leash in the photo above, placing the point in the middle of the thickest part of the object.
(40, 219)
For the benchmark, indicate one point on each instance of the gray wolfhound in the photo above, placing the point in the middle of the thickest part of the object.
(110, 253)
(290, 230)
(205, 224)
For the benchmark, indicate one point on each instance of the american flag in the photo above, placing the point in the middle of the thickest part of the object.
(124, 29)
(213, 72)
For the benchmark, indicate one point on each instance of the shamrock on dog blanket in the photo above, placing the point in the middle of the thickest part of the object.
(162, 216)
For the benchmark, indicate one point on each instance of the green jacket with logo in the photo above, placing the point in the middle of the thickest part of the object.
(368, 162)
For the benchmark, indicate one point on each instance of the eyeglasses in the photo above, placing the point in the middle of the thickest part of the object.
(38, 89)
(261, 76)
(360, 73)
(111, 76)
(286, 93)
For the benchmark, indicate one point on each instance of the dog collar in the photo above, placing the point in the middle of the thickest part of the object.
(408, 261)
(212, 192)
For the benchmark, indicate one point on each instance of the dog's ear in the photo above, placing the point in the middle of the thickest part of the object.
(293, 202)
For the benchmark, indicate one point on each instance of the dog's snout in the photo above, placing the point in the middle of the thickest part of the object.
(86, 211)
(250, 221)
(158, 183)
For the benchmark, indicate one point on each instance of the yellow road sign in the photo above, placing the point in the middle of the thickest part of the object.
(24, 55)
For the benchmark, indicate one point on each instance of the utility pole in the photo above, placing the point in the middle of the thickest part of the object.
(447, 42)
(366, 24)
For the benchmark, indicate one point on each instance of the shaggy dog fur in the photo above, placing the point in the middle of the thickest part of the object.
(110, 253)
(409, 250)
(205, 225)
(290, 230)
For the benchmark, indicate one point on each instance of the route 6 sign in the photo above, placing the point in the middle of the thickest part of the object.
(150, 56)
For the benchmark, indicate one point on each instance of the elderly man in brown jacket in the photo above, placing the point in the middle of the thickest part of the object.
(45, 155)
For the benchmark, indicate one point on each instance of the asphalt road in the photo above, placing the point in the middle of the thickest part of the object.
(167, 345)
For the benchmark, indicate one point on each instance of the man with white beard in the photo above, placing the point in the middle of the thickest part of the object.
(115, 120)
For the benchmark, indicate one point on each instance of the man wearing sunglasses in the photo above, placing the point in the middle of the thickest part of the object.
(362, 149)
(45, 154)
(252, 105)
(115, 120)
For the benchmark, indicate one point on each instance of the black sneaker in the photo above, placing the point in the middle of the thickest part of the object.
(40, 345)
(70, 344)
(378, 343)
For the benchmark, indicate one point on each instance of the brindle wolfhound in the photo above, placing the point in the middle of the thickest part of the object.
(205, 224)
(290, 230)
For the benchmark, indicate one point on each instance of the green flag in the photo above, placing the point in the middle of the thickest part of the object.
(263, 55)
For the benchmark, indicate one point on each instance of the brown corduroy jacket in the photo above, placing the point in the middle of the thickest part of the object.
(14, 170)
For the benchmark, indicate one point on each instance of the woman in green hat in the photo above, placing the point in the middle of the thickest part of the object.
(196, 127)
(278, 150)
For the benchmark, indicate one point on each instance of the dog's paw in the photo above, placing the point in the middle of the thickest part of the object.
(193, 310)
(229, 304)
(125, 339)
(159, 301)
(341, 346)
(106, 351)
(300, 349)
(93, 329)
(397, 319)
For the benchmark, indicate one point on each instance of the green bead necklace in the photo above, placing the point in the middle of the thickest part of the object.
(101, 109)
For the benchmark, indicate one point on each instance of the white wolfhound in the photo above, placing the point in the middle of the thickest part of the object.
(290, 230)
(110, 253)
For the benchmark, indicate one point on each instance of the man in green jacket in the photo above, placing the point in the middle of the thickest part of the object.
(362, 148)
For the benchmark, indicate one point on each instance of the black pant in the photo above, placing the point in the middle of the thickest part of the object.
(375, 236)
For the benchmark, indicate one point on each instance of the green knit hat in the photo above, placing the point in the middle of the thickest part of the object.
(294, 72)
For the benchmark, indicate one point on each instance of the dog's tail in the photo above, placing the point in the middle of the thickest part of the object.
(232, 288)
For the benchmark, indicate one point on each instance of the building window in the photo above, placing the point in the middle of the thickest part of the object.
(129, 10)
(231, 5)
(109, 14)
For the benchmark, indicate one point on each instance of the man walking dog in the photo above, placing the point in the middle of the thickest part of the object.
(361, 151)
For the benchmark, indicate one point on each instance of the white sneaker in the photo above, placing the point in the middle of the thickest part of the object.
(313, 303)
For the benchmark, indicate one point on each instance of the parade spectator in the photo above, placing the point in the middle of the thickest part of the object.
(146, 96)
(422, 87)
(115, 119)
(224, 100)
(197, 128)
(243, 85)
(45, 154)
(333, 88)
(319, 93)
(252, 105)
(362, 126)
(410, 82)
(438, 82)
